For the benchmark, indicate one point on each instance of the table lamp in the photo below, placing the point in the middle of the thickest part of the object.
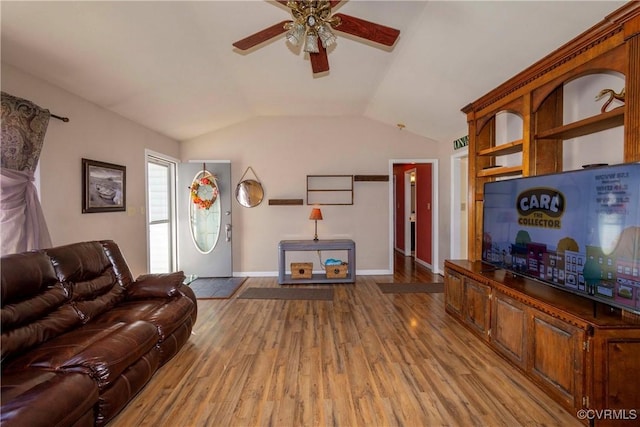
(316, 214)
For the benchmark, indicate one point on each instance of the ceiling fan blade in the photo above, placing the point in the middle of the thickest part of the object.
(319, 61)
(366, 30)
(261, 36)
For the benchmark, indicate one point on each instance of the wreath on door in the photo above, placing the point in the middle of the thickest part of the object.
(204, 191)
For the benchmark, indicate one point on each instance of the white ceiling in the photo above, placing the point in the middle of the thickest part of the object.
(170, 65)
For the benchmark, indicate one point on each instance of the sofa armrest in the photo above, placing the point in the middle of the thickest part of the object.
(156, 285)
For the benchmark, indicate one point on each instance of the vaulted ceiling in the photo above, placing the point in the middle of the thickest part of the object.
(171, 66)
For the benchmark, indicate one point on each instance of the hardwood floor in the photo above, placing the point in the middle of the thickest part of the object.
(363, 359)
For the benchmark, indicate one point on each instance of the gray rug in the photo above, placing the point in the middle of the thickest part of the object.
(288, 294)
(407, 288)
(216, 287)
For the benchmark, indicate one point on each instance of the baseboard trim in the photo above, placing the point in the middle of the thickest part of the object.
(374, 272)
(275, 273)
(255, 274)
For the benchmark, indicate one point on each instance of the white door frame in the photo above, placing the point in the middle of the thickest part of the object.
(407, 211)
(456, 216)
(435, 258)
(147, 154)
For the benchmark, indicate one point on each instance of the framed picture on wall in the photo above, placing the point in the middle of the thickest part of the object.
(103, 187)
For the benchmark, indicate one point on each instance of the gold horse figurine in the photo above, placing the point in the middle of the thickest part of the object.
(612, 96)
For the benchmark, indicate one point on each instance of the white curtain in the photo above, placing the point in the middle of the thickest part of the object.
(22, 224)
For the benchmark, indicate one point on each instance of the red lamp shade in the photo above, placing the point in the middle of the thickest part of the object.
(316, 214)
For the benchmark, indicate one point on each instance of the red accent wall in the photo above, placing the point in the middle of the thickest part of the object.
(424, 206)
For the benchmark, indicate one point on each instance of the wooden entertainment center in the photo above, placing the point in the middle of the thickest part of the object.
(586, 355)
(582, 353)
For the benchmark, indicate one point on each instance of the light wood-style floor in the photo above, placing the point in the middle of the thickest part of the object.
(363, 359)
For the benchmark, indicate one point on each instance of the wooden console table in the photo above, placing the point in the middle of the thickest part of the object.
(316, 245)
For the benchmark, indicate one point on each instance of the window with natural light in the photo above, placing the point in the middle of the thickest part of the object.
(160, 196)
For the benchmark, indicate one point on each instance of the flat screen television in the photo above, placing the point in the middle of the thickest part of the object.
(578, 231)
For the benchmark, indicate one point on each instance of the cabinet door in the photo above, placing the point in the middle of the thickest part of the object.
(453, 293)
(509, 328)
(622, 362)
(615, 377)
(557, 357)
(476, 307)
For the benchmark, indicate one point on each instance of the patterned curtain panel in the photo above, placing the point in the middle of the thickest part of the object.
(22, 224)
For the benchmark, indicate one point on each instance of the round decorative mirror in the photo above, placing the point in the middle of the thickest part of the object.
(249, 192)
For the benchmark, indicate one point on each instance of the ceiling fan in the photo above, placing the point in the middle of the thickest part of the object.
(312, 23)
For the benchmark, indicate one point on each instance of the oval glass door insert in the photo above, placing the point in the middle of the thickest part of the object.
(204, 211)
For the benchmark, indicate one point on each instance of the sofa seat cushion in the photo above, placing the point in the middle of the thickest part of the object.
(126, 386)
(44, 398)
(167, 314)
(100, 350)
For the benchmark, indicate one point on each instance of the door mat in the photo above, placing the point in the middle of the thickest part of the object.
(407, 288)
(288, 294)
(216, 287)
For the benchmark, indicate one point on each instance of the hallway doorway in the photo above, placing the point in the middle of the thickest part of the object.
(459, 205)
(425, 217)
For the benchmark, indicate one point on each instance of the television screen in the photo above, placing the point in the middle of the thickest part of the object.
(578, 231)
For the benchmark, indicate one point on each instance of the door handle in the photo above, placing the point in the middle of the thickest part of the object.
(228, 232)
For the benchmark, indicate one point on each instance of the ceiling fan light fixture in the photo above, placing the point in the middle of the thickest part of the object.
(311, 43)
(295, 33)
(326, 36)
(312, 25)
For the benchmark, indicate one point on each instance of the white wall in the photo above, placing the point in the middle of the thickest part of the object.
(283, 151)
(97, 134)
(445, 152)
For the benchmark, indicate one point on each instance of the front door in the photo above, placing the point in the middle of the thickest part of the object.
(204, 225)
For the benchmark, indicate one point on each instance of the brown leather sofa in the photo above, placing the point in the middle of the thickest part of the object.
(80, 336)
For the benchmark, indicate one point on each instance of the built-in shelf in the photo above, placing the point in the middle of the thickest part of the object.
(543, 99)
(286, 202)
(593, 124)
(500, 171)
(502, 149)
(329, 189)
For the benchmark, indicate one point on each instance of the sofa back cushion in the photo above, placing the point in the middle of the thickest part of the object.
(90, 275)
(35, 304)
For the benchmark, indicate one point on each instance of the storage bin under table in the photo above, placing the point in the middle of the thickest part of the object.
(317, 245)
